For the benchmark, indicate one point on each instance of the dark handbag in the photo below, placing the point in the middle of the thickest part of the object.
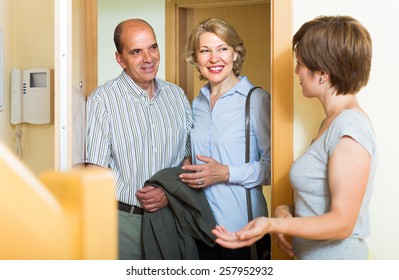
(253, 248)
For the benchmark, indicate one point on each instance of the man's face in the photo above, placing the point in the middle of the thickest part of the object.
(140, 54)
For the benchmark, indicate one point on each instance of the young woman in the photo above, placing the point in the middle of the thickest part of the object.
(333, 179)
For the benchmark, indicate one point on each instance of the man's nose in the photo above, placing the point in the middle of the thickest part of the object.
(147, 56)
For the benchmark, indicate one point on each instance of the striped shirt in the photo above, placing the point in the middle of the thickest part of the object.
(135, 137)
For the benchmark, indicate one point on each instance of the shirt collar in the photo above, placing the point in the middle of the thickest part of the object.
(242, 87)
(136, 89)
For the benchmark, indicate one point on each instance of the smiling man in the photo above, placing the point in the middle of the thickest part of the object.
(137, 124)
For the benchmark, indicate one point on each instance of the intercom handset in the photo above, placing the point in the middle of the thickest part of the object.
(30, 96)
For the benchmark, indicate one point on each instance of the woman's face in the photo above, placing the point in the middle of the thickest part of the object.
(215, 58)
(308, 80)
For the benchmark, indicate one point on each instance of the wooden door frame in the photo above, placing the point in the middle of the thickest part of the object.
(282, 84)
(282, 80)
(91, 46)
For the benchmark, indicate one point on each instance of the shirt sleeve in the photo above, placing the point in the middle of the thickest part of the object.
(98, 144)
(189, 126)
(353, 124)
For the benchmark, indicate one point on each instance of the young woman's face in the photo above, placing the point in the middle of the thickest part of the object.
(308, 80)
(215, 58)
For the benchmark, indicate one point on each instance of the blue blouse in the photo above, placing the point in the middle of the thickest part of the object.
(220, 134)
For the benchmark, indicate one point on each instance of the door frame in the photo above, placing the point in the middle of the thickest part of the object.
(282, 83)
(282, 80)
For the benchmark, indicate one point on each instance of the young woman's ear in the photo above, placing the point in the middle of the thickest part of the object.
(323, 77)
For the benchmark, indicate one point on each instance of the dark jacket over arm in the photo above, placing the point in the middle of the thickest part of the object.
(170, 232)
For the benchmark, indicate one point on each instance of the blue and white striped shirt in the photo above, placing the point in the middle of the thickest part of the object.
(135, 137)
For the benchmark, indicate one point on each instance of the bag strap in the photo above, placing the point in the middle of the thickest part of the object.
(248, 124)
(254, 254)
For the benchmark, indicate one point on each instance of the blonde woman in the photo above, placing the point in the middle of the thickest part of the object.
(218, 136)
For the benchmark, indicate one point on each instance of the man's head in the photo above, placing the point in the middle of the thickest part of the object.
(137, 50)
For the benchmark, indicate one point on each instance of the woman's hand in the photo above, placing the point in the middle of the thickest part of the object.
(209, 173)
(245, 237)
(283, 244)
(285, 212)
(255, 230)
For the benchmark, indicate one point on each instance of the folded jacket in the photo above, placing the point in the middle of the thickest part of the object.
(170, 233)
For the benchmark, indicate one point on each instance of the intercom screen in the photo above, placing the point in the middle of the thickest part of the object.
(38, 79)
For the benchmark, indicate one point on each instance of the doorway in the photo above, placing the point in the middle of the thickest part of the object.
(274, 72)
(281, 75)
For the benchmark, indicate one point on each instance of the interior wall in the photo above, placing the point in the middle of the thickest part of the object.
(28, 42)
(34, 47)
(6, 25)
(379, 99)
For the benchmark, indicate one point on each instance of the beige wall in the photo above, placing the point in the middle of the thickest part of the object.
(6, 26)
(28, 27)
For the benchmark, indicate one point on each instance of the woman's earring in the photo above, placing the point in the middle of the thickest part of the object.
(321, 80)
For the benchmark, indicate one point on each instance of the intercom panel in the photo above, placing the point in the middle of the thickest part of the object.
(30, 96)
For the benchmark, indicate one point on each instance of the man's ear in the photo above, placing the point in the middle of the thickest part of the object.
(119, 59)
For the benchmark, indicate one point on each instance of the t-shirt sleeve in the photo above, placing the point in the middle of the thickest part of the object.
(353, 124)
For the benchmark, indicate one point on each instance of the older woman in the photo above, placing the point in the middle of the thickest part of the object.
(218, 137)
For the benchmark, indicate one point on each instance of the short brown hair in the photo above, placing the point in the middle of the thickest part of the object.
(338, 45)
(225, 32)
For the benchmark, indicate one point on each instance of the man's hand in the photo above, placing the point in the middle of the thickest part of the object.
(152, 198)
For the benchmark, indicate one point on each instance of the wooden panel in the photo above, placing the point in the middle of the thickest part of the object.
(91, 46)
(171, 24)
(216, 3)
(282, 106)
(71, 214)
(79, 66)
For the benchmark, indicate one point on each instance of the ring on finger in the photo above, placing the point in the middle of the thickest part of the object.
(200, 183)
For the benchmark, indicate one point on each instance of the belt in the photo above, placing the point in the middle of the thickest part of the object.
(130, 208)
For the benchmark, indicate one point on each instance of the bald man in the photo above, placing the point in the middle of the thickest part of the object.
(137, 124)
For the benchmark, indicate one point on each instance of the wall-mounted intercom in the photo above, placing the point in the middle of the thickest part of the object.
(30, 96)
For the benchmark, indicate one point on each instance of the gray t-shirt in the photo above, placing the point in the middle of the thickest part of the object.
(309, 178)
